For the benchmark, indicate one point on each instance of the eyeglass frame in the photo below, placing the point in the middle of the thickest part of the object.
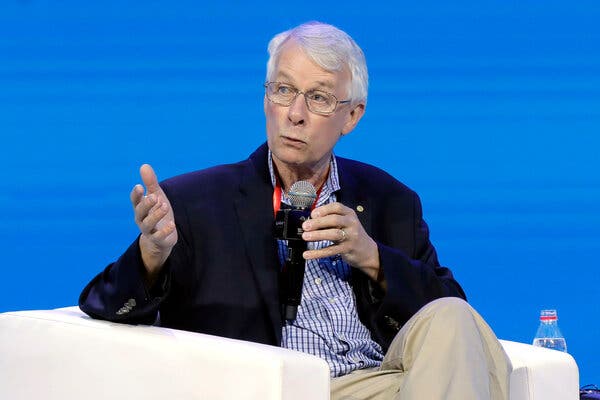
(299, 92)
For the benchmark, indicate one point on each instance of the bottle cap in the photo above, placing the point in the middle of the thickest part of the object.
(548, 315)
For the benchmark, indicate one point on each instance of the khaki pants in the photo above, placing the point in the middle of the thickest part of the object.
(445, 351)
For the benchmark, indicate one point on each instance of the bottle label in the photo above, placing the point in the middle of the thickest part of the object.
(551, 343)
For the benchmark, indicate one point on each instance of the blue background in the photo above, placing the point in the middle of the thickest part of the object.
(489, 110)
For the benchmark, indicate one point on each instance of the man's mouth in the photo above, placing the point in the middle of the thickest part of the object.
(292, 140)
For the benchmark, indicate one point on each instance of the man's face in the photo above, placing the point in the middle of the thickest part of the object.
(297, 137)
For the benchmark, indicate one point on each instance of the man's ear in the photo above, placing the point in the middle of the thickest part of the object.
(355, 115)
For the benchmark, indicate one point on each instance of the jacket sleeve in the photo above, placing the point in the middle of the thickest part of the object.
(118, 293)
(413, 275)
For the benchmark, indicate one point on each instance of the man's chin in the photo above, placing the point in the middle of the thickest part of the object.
(288, 156)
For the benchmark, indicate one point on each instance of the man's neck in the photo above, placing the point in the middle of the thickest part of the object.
(287, 176)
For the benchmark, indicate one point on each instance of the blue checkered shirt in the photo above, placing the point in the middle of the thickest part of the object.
(327, 324)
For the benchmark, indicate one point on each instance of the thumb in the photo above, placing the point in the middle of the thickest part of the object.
(149, 178)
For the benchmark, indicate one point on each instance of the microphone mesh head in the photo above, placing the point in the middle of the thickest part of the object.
(302, 194)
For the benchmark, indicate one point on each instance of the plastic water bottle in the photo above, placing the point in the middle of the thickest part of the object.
(548, 335)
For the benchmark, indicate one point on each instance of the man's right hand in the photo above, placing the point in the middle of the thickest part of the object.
(154, 216)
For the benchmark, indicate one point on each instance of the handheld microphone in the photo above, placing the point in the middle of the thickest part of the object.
(288, 226)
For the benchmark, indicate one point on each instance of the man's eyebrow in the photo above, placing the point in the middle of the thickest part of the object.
(318, 84)
(283, 75)
(326, 84)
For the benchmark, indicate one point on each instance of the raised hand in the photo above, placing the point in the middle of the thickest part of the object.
(156, 221)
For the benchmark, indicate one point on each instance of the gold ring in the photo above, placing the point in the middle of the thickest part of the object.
(343, 235)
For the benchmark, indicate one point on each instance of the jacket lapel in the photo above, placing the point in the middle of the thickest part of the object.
(254, 207)
(352, 195)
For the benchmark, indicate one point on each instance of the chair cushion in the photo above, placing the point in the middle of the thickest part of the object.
(63, 354)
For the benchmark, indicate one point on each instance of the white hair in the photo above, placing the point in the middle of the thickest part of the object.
(329, 47)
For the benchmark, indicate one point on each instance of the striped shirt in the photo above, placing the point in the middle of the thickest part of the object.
(327, 324)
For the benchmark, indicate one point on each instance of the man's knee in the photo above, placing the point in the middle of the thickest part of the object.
(449, 305)
(444, 317)
(451, 311)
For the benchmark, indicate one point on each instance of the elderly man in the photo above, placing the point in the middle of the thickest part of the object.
(376, 304)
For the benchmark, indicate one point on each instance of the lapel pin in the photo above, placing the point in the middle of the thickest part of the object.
(360, 208)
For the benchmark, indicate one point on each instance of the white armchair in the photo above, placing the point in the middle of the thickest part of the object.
(63, 354)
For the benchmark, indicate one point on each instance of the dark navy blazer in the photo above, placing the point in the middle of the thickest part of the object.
(221, 277)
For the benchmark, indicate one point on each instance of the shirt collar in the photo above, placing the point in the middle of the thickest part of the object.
(331, 185)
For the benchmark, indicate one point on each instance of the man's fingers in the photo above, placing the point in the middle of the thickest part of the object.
(136, 195)
(330, 215)
(334, 208)
(149, 224)
(332, 234)
(149, 178)
(160, 236)
(328, 221)
(144, 207)
(329, 251)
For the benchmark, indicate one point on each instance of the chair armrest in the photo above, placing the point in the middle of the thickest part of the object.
(541, 374)
(63, 354)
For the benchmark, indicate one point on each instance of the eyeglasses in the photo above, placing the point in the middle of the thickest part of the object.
(317, 101)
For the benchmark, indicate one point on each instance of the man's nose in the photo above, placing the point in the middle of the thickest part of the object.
(297, 111)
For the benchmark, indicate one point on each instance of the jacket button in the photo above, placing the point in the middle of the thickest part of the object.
(391, 322)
